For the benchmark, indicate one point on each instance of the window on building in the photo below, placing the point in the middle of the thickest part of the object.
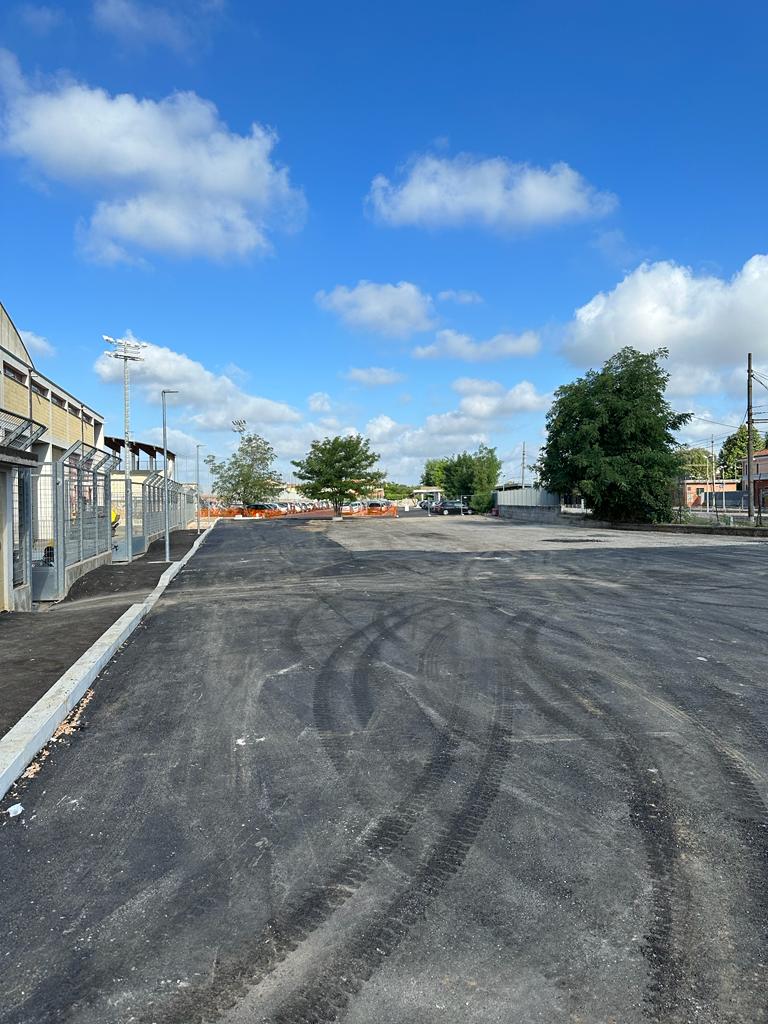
(14, 374)
(57, 400)
(39, 389)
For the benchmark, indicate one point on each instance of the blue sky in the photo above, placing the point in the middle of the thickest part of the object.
(412, 220)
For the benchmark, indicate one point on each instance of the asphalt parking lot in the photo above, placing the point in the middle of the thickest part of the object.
(411, 770)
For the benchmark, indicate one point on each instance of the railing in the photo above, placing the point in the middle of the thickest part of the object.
(18, 431)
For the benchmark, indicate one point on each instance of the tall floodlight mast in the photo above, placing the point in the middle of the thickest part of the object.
(130, 352)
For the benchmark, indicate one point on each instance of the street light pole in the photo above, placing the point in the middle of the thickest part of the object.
(163, 393)
(197, 481)
(128, 351)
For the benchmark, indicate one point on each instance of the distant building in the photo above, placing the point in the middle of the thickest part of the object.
(698, 493)
(145, 458)
(759, 477)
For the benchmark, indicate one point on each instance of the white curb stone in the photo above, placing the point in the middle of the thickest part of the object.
(30, 734)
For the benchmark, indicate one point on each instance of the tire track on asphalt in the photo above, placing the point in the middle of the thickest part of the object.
(652, 811)
(327, 691)
(310, 910)
(325, 996)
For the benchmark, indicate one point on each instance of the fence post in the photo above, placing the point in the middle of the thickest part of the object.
(59, 527)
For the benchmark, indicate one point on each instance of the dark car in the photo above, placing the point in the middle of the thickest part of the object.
(452, 508)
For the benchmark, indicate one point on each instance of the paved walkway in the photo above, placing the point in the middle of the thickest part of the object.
(37, 648)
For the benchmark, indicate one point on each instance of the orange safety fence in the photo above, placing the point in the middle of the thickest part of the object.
(243, 513)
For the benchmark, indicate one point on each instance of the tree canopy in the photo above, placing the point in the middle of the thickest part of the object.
(694, 463)
(338, 469)
(434, 473)
(247, 475)
(734, 449)
(394, 491)
(610, 438)
(472, 475)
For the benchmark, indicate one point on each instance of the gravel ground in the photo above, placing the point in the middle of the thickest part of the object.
(411, 770)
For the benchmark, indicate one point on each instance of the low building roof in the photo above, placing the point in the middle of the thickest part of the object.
(116, 444)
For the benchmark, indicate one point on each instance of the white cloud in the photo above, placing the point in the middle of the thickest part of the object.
(171, 176)
(395, 310)
(382, 428)
(41, 18)
(473, 386)
(707, 323)
(447, 192)
(521, 398)
(453, 345)
(702, 319)
(373, 376)
(138, 24)
(208, 400)
(36, 344)
(319, 401)
(463, 297)
(179, 442)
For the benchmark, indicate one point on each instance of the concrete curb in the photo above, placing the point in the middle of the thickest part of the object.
(30, 734)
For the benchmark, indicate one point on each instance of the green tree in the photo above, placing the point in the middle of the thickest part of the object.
(434, 473)
(248, 474)
(394, 492)
(487, 467)
(610, 436)
(459, 475)
(338, 469)
(694, 463)
(735, 449)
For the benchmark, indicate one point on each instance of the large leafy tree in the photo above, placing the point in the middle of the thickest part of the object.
(694, 463)
(735, 449)
(459, 475)
(248, 474)
(339, 469)
(394, 491)
(610, 437)
(434, 473)
(485, 478)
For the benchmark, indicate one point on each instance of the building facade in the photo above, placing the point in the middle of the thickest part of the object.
(27, 392)
(54, 496)
(759, 477)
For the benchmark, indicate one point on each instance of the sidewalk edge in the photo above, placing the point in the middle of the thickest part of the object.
(34, 729)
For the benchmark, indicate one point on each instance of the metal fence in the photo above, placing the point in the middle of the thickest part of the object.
(528, 497)
(71, 507)
(143, 516)
(21, 532)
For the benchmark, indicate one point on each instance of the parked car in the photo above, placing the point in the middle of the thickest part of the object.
(452, 508)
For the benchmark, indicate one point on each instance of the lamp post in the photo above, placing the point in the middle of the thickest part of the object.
(197, 482)
(128, 351)
(163, 393)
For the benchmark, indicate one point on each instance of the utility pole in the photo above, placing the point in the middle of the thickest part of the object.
(750, 453)
(165, 477)
(522, 468)
(128, 351)
(197, 482)
(714, 483)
